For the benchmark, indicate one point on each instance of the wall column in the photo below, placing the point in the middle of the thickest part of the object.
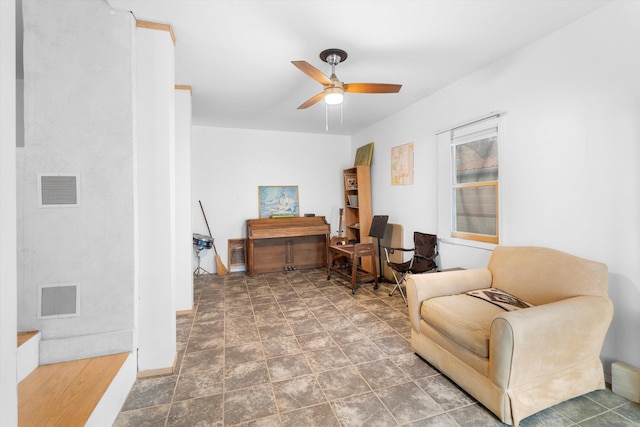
(78, 122)
(184, 241)
(155, 198)
(8, 269)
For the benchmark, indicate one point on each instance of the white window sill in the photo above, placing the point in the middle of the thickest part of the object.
(469, 243)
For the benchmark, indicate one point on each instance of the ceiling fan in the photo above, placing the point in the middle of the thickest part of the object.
(334, 89)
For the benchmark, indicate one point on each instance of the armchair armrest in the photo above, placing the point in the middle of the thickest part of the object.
(421, 287)
(389, 250)
(526, 345)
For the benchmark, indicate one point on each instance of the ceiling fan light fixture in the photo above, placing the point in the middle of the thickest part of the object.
(334, 89)
(333, 95)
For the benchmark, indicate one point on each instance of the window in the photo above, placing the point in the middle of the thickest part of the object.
(475, 189)
(469, 193)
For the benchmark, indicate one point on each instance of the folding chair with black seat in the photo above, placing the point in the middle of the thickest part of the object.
(425, 251)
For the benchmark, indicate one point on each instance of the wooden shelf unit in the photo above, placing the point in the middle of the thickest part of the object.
(357, 219)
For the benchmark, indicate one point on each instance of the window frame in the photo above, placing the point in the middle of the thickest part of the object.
(487, 238)
(472, 130)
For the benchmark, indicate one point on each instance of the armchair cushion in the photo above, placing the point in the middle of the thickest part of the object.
(451, 317)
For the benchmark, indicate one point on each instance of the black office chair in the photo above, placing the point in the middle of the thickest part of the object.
(423, 260)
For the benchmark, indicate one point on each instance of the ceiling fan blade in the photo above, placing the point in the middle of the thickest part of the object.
(309, 102)
(312, 72)
(371, 88)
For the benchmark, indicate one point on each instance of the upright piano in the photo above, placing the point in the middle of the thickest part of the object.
(281, 244)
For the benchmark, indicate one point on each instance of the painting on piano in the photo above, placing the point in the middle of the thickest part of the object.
(278, 201)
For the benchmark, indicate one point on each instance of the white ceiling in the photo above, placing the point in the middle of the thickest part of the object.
(236, 53)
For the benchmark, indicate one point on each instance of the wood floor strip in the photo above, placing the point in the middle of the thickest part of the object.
(25, 336)
(65, 394)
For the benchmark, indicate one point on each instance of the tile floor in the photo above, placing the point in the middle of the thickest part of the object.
(293, 349)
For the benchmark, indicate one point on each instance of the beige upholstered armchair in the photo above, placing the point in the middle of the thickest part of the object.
(521, 361)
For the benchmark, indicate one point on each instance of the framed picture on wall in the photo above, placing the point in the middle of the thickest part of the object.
(278, 201)
(402, 164)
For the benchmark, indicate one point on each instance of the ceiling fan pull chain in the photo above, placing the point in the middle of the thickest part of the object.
(326, 117)
(340, 114)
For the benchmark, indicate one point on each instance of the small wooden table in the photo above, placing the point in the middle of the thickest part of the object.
(352, 253)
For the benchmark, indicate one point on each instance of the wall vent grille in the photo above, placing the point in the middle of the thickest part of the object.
(60, 300)
(58, 190)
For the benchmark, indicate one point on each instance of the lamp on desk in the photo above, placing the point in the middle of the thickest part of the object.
(378, 227)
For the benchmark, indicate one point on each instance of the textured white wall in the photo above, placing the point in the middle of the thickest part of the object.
(228, 165)
(571, 176)
(155, 198)
(8, 275)
(78, 119)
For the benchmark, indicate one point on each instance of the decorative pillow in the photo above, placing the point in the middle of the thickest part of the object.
(500, 298)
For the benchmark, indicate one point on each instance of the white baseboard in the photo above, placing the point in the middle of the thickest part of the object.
(625, 381)
(111, 403)
(64, 349)
(28, 358)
